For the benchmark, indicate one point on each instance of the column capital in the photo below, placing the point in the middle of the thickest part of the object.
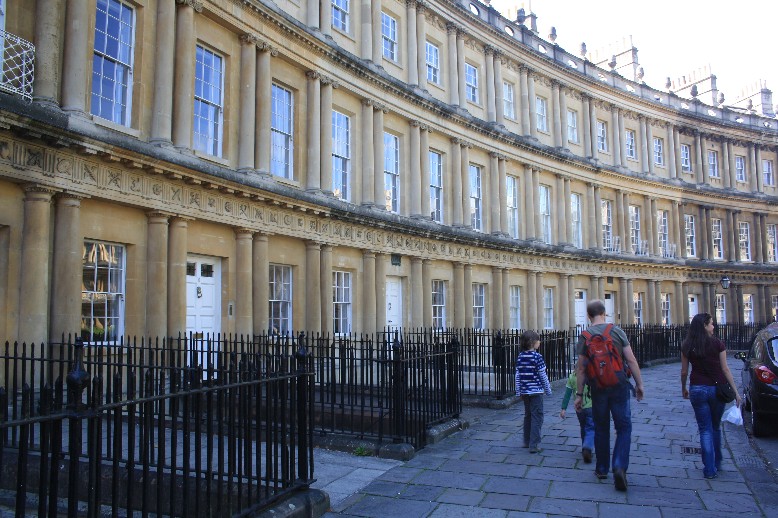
(249, 39)
(421, 6)
(197, 5)
(556, 84)
(453, 28)
(243, 232)
(410, 4)
(414, 123)
(158, 215)
(67, 195)
(525, 69)
(367, 102)
(313, 74)
(488, 50)
(327, 80)
(380, 107)
(310, 244)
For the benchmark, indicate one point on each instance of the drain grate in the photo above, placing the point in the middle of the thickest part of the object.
(691, 450)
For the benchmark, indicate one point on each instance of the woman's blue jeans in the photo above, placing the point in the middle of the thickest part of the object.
(708, 411)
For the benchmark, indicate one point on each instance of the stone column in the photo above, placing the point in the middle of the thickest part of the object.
(461, 68)
(564, 135)
(564, 306)
(760, 309)
(559, 212)
(650, 146)
(417, 293)
(739, 304)
(368, 291)
(763, 237)
(411, 38)
(617, 136)
(651, 301)
(682, 230)
(725, 165)
(570, 300)
(465, 170)
(453, 70)
(644, 155)
(34, 266)
(326, 288)
(75, 65)
(758, 239)
(313, 179)
(677, 152)
(594, 288)
(671, 151)
(456, 179)
(426, 281)
(758, 169)
(66, 266)
(416, 183)
(685, 305)
(533, 120)
(678, 304)
(494, 202)
(325, 14)
(598, 217)
(626, 237)
(535, 195)
(380, 290)
(468, 290)
(525, 100)
(587, 133)
(622, 213)
(567, 199)
(326, 135)
(48, 51)
(459, 295)
(593, 126)
(601, 288)
(539, 298)
(260, 283)
(421, 50)
(732, 168)
(708, 230)
(675, 227)
(178, 246)
(506, 298)
(591, 224)
(248, 102)
(366, 38)
(496, 292)
(183, 99)
(557, 120)
(378, 157)
(378, 49)
(703, 233)
(498, 87)
(262, 108)
(531, 309)
(732, 236)
(491, 109)
(313, 14)
(156, 274)
(654, 235)
(503, 188)
(313, 286)
(700, 170)
(705, 168)
(368, 158)
(426, 211)
(244, 307)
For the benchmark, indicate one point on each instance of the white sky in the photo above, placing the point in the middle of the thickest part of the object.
(739, 40)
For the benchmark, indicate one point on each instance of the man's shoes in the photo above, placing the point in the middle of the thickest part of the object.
(620, 479)
(601, 476)
(587, 455)
(535, 450)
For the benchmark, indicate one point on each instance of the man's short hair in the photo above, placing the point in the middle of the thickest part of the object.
(595, 308)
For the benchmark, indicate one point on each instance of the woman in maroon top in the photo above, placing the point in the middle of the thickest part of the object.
(708, 357)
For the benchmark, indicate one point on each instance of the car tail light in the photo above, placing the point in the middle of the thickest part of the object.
(765, 375)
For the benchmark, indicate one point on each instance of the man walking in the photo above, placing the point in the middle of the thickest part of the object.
(603, 349)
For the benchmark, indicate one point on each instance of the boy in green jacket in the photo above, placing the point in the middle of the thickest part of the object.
(584, 417)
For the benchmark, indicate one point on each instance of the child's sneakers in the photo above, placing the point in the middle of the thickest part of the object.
(587, 455)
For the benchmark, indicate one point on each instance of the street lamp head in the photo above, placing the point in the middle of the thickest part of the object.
(725, 282)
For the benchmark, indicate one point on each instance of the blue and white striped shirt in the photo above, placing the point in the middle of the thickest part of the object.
(531, 375)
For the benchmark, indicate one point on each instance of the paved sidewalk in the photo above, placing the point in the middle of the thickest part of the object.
(484, 472)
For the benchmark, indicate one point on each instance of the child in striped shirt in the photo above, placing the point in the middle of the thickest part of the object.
(531, 383)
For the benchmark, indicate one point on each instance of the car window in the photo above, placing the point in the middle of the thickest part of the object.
(772, 349)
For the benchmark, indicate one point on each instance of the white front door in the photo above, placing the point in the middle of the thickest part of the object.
(580, 308)
(394, 302)
(203, 300)
(692, 306)
(608, 307)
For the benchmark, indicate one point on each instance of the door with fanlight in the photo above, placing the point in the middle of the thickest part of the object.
(394, 303)
(203, 306)
(609, 308)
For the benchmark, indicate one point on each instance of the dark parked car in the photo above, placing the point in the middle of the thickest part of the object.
(760, 379)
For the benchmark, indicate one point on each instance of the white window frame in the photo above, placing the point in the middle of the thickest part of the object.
(606, 212)
(281, 132)
(541, 113)
(717, 235)
(744, 240)
(438, 304)
(637, 302)
(389, 40)
(280, 293)
(576, 216)
(629, 143)
(471, 83)
(212, 140)
(772, 242)
(602, 136)
(748, 308)
(740, 168)
(476, 197)
(118, 98)
(341, 155)
(544, 207)
(508, 100)
(512, 190)
(572, 126)
(686, 158)
(436, 186)
(662, 225)
(514, 307)
(341, 302)
(659, 151)
(392, 172)
(689, 232)
(713, 163)
(635, 235)
(774, 307)
(479, 305)
(548, 308)
(767, 173)
(341, 18)
(666, 309)
(720, 311)
(104, 294)
(432, 53)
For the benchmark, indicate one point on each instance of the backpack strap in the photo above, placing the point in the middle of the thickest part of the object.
(607, 332)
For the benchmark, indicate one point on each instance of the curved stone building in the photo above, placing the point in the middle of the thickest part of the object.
(236, 166)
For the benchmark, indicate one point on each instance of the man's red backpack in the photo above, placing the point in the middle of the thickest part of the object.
(605, 367)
